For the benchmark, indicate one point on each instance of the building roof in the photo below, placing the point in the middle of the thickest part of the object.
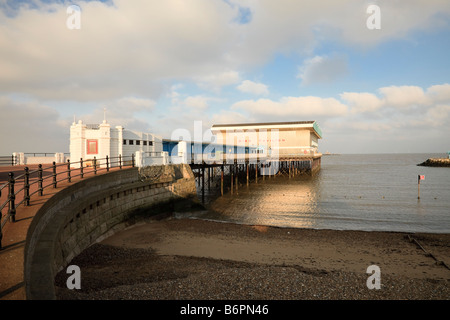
(293, 124)
(262, 124)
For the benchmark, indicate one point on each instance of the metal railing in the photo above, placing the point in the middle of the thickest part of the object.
(8, 160)
(36, 181)
(43, 154)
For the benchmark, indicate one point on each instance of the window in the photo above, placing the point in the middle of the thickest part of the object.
(130, 142)
(92, 146)
(124, 142)
(145, 142)
(138, 142)
(150, 143)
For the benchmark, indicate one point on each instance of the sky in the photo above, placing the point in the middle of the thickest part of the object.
(375, 81)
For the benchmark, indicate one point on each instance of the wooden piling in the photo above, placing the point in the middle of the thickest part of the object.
(246, 165)
(289, 169)
(231, 181)
(203, 183)
(221, 183)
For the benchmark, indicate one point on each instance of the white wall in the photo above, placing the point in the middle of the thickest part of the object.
(110, 142)
(143, 160)
(25, 159)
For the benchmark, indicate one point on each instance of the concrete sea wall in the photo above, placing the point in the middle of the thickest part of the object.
(94, 209)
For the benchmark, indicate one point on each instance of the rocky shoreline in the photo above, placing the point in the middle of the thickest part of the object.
(436, 162)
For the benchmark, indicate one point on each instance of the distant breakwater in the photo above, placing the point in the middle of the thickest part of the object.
(436, 162)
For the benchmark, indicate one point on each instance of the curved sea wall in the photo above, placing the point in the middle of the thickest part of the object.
(436, 162)
(94, 209)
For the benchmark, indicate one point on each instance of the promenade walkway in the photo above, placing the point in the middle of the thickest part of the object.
(12, 286)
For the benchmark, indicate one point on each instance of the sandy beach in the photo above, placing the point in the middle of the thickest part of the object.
(203, 260)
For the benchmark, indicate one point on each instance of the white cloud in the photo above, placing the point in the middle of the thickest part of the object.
(128, 47)
(215, 82)
(196, 102)
(404, 96)
(28, 126)
(439, 93)
(255, 88)
(121, 49)
(362, 102)
(227, 116)
(293, 107)
(132, 104)
(397, 98)
(322, 69)
(439, 115)
(125, 111)
(363, 111)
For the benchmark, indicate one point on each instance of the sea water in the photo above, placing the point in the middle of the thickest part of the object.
(370, 192)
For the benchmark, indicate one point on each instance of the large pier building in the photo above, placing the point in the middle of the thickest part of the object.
(283, 139)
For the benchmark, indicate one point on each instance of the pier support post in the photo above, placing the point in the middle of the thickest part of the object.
(221, 182)
(231, 172)
(209, 178)
(289, 169)
(246, 165)
(203, 182)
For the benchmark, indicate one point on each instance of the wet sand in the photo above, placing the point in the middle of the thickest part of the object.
(203, 260)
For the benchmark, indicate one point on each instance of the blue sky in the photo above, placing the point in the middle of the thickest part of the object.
(160, 66)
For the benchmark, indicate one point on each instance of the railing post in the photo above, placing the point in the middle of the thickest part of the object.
(40, 180)
(11, 197)
(107, 163)
(54, 174)
(1, 234)
(95, 165)
(69, 177)
(120, 161)
(132, 160)
(26, 186)
(81, 168)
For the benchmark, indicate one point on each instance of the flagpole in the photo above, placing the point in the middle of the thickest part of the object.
(419, 177)
(418, 186)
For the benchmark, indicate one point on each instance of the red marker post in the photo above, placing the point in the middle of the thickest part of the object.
(420, 177)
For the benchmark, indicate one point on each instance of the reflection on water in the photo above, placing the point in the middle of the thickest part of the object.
(293, 200)
(351, 192)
